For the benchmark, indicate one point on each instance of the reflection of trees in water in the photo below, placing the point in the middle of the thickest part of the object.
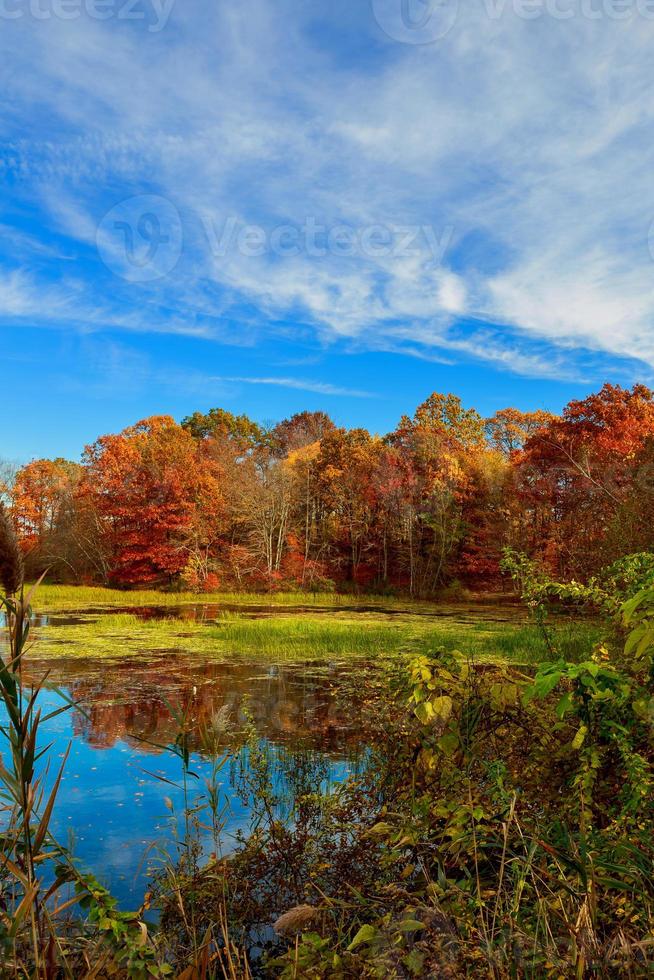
(290, 772)
(287, 704)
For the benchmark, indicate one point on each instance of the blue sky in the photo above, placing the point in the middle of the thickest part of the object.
(345, 206)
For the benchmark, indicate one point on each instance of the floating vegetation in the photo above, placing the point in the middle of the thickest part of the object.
(80, 596)
(497, 634)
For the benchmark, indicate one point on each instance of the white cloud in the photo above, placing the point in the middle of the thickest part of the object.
(529, 139)
(452, 293)
(20, 297)
(317, 387)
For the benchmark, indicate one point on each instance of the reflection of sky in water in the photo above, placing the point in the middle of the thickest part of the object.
(112, 807)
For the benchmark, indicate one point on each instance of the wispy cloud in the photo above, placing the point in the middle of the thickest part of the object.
(528, 139)
(317, 387)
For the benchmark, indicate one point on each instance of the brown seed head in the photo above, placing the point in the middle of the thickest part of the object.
(11, 560)
(295, 920)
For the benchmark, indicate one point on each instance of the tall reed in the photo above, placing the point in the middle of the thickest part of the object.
(35, 940)
(22, 843)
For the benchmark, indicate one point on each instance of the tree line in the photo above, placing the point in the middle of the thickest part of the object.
(220, 501)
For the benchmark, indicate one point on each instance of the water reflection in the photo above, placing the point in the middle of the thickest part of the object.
(137, 701)
(112, 799)
(499, 609)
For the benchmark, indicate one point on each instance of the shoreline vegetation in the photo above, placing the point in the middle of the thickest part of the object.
(503, 826)
(61, 597)
(81, 622)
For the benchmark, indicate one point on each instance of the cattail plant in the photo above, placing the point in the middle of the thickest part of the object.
(21, 791)
(11, 581)
(11, 560)
(29, 910)
(23, 843)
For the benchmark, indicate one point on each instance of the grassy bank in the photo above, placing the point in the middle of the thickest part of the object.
(313, 635)
(81, 596)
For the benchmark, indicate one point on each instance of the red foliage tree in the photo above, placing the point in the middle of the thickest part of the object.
(157, 494)
(222, 500)
(575, 477)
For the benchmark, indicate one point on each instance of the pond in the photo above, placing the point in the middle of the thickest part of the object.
(288, 679)
(211, 612)
(122, 791)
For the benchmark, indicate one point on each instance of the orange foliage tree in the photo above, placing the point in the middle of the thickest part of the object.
(158, 496)
(575, 477)
(223, 500)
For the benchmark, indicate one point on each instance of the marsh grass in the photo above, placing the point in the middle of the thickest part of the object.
(314, 635)
(293, 636)
(497, 643)
(116, 624)
(516, 644)
(282, 638)
(81, 596)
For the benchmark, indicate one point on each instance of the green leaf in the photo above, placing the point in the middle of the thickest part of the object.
(448, 744)
(424, 712)
(580, 737)
(545, 683)
(415, 963)
(366, 934)
(411, 925)
(381, 829)
(565, 705)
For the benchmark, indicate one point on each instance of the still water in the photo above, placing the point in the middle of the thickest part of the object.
(121, 779)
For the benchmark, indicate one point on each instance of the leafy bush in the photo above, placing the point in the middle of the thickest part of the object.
(515, 830)
(628, 576)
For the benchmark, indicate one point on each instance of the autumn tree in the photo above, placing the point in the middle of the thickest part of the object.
(485, 517)
(345, 487)
(261, 503)
(433, 448)
(38, 495)
(632, 529)
(575, 477)
(508, 430)
(302, 429)
(222, 425)
(49, 517)
(159, 497)
(307, 543)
